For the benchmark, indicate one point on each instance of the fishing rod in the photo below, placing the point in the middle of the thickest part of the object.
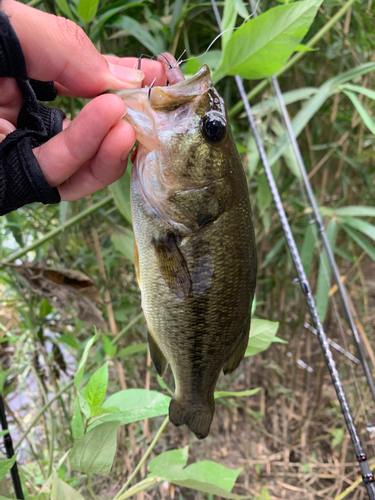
(367, 475)
(8, 443)
(320, 228)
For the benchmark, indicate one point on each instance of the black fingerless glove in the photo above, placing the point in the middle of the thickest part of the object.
(21, 178)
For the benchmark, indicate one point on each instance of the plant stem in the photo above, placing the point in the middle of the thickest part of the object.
(141, 486)
(51, 439)
(71, 222)
(143, 459)
(89, 487)
(262, 85)
(126, 328)
(40, 413)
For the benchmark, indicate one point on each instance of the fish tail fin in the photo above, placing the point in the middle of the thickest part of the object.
(197, 417)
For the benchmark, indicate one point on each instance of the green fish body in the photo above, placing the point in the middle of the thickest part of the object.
(194, 240)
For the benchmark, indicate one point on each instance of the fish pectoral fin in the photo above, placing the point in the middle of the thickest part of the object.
(159, 360)
(235, 358)
(172, 265)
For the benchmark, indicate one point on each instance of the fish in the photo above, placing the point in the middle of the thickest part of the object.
(194, 247)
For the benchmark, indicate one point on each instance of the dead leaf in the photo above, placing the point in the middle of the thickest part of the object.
(62, 288)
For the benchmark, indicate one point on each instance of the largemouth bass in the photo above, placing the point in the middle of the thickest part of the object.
(195, 250)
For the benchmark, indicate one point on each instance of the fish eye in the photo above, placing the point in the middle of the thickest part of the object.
(213, 128)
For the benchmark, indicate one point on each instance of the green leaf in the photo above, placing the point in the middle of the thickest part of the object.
(65, 9)
(350, 211)
(121, 194)
(324, 275)
(109, 349)
(177, 9)
(211, 58)
(172, 461)
(273, 253)
(241, 9)
(99, 410)
(132, 349)
(4, 374)
(360, 225)
(136, 404)
(97, 387)
(264, 494)
(6, 465)
(261, 334)
(304, 48)
(62, 491)
(252, 156)
(69, 340)
(261, 46)
(209, 477)
(226, 394)
(77, 421)
(264, 196)
(272, 104)
(139, 32)
(124, 242)
(228, 21)
(308, 247)
(163, 385)
(95, 451)
(14, 224)
(253, 305)
(367, 120)
(361, 241)
(338, 437)
(81, 366)
(84, 406)
(87, 10)
(360, 90)
(63, 209)
(279, 340)
(312, 106)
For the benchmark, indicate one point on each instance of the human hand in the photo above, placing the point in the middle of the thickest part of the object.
(92, 150)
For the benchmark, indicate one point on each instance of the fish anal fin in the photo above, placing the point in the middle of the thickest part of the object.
(235, 358)
(159, 360)
(136, 263)
(172, 265)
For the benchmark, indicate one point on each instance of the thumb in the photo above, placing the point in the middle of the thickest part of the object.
(57, 49)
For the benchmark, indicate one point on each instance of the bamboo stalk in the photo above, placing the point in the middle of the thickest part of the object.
(71, 222)
(293, 60)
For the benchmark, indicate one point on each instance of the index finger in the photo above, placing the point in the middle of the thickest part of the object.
(151, 70)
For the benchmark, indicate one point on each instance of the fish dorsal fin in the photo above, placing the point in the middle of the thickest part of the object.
(157, 356)
(173, 266)
(235, 358)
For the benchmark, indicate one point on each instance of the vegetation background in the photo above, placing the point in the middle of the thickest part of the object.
(67, 268)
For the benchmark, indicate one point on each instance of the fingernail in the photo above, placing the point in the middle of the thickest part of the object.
(128, 75)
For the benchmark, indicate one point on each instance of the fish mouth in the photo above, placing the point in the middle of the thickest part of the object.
(170, 97)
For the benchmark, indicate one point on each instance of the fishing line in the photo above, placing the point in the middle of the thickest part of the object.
(332, 262)
(221, 33)
(367, 475)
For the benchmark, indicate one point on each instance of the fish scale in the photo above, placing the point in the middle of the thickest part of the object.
(194, 241)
